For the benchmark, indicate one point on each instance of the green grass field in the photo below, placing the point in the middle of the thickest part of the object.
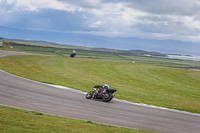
(14, 120)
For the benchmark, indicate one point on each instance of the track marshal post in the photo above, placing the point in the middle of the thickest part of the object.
(1, 43)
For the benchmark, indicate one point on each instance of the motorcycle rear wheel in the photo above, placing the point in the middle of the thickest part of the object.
(108, 97)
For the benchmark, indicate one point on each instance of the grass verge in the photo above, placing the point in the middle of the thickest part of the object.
(22, 121)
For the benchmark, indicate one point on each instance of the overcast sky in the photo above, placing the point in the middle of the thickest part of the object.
(170, 26)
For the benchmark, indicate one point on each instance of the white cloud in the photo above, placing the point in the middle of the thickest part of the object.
(84, 17)
(10, 1)
(170, 19)
(34, 5)
(156, 19)
(96, 24)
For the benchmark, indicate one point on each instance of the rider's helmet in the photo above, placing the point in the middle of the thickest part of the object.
(106, 86)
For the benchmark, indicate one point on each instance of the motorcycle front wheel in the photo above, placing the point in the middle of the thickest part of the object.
(89, 95)
(107, 97)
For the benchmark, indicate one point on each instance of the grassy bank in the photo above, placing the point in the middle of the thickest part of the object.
(6, 47)
(65, 52)
(143, 83)
(22, 121)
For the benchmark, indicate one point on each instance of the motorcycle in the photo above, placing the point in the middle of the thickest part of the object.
(99, 92)
(73, 55)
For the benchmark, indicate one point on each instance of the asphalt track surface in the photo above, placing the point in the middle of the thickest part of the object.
(30, 95)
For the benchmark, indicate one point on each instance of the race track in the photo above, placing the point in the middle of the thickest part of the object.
(31, 95)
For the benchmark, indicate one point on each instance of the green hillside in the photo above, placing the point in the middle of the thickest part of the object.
(55, 45)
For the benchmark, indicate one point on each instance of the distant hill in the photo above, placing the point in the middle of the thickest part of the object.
(56, 45)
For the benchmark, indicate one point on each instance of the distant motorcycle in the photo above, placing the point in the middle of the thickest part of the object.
(73, 55)
(99, 92)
